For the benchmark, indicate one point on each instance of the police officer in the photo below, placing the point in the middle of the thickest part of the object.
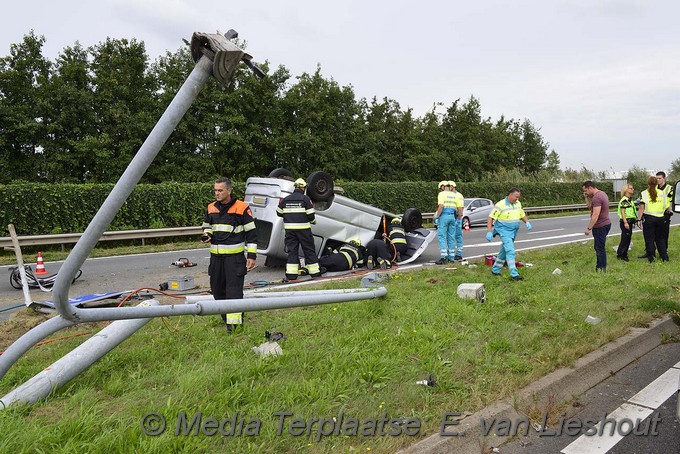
(627, 220)
(458, 237)
(297, 212)
(346, 257)
(651, 213)
(504, 222)
(445, 217)
(229, 227)
(397, 236)
(667, 191)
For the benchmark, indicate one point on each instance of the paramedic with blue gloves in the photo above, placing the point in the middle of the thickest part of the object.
(504, 221)
(446, 223)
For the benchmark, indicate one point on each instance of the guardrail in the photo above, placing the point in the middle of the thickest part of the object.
(548, 209)
(72, 238)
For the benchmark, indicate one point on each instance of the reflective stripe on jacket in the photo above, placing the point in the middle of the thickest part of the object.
(654, 208)
(231, 227)
(297, 211)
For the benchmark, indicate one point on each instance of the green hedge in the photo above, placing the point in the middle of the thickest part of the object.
(40, 209)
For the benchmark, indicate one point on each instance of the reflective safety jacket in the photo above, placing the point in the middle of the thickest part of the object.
(507, 216)
(460, 200)
(626, 209)
(397, 234)
(448, 200)
(231, 227)
(353, 254)
(667, 191)
(297, 211)
(657, 207)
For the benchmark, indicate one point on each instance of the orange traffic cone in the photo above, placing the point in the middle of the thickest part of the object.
(40, 266)
(466, 226)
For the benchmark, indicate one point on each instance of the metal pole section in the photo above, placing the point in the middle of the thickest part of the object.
(208, 307)
(190, 299)
(20, 264)
(142, 160)
(28, 340)
(75, 362)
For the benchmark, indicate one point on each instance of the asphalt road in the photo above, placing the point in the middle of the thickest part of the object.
(130, 272)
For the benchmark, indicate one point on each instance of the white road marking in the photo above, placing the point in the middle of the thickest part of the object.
(640, 406)
(544, 231)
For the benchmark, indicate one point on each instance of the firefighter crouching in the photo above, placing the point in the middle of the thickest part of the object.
(229, 227)
(348, 256)
(297, 212)
(397, 236)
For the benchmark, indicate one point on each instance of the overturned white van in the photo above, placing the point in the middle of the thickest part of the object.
(338, 218)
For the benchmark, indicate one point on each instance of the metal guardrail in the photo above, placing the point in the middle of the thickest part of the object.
(71, 238)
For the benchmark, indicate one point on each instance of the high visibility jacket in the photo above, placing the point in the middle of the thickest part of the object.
(448, 200)
(397, 234)
(353, 254)
(507, 216)
(297, 211)
(667, 191)
(626, 209)
(460, 200)
(231, 227)
(657, 207)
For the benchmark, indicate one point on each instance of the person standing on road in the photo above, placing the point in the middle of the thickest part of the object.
(627, 220)
(504, 221)
(651, 215)
(667, 191)
(297, 212)
(445, 217)
(458, 237)
(599, 223)
(229, 228)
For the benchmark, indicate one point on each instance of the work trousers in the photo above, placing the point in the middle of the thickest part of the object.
(446, 232)
(457, 239)
(600, 240)
(653, 232)
(626, 235)
(506, 254)
(334, 262)
(296, 239)
(227, 273)
(377, 248)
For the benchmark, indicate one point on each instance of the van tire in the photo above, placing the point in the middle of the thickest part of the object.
(281, 173)
(412, 219)
(320, 186)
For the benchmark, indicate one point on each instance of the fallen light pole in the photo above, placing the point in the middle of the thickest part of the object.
(215, 55)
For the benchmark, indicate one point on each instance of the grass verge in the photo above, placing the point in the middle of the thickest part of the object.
(360, 359)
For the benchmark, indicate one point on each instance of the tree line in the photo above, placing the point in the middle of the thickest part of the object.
(82, 117)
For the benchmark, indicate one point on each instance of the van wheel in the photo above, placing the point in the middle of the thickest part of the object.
(412, 219)
(320, 186)
(281, 173)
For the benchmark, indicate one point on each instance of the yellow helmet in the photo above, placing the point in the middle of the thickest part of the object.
(300, 183)
(396, 221)
(355, 241)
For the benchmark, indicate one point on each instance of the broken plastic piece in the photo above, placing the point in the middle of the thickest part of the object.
(268, 349)
(429, 381)
(557, 271)
(593, 320)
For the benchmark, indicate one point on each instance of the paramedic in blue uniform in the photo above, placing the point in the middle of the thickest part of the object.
(504, 221)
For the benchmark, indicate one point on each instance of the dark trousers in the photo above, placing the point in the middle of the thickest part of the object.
(227, 273)
(334, 262)
(378, 248)
(653, 231)
(626, 235)
(296, 239)
(666, 227)
(600, 237)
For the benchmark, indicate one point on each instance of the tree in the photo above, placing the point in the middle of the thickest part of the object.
(23, 77)
(674, 171)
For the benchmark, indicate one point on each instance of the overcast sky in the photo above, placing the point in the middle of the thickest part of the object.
(599, 78)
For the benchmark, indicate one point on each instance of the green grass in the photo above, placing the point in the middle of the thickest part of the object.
(360, 358)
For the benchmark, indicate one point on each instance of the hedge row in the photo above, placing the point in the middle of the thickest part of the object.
(40, 209)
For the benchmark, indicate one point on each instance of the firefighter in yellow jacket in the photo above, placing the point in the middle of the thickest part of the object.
(297, 212)
(230, 229)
